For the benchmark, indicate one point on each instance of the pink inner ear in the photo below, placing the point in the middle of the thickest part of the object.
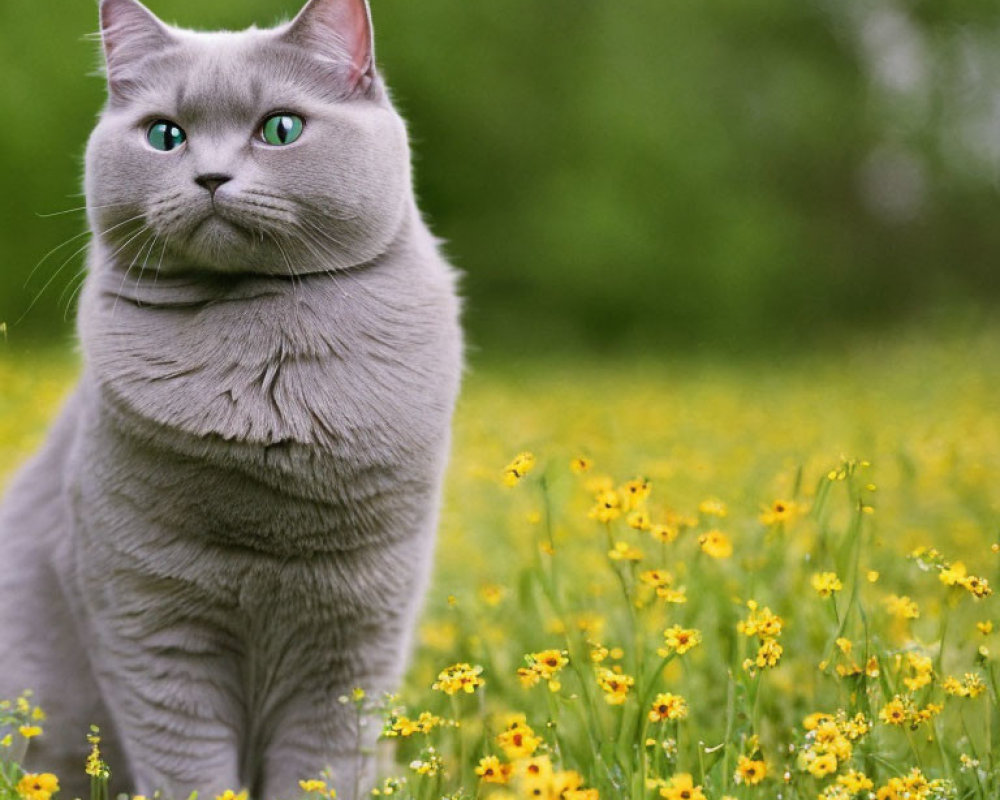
(341, 25)
(129, 32)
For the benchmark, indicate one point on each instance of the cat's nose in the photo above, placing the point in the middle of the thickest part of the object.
(212, 181)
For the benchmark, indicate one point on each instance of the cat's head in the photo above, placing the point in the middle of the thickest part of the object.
(272, 151)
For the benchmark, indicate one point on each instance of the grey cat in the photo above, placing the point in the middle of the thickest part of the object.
(231, 523)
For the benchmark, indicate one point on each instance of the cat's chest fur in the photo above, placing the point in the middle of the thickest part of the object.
(283, 417)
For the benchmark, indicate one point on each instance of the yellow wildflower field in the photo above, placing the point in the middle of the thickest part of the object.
(691, 580)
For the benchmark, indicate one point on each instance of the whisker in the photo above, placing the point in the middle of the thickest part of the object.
(159, 265)
(48, 283)
(79, 279)
(142, 268)
(68, 241)
(288, 265)
(49, 214)
(44, 258)
(135, 258)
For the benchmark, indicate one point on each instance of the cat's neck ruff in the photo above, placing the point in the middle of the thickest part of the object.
(250, 362)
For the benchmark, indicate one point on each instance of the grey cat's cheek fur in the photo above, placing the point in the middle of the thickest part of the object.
(232, 523)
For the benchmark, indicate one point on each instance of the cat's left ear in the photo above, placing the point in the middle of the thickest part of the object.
(338, 30)
(130, 32)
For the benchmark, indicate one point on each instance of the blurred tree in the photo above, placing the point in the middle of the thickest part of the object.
(731, 173)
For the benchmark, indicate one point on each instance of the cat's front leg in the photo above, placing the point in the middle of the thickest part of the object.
(312, 738)
(322, 723)
(171, 679)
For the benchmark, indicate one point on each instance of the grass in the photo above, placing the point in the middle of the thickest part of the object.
(707, 580)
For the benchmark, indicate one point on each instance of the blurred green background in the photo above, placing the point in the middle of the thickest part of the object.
(722, 175)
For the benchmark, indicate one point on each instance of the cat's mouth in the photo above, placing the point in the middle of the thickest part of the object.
(217, 226)
(217, 239)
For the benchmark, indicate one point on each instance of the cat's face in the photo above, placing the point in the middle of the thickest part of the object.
(272, 151)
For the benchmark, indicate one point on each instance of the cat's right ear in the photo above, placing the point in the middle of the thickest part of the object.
(129, 32)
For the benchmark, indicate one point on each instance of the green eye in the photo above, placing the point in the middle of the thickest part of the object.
(165, 135)
(282, 129)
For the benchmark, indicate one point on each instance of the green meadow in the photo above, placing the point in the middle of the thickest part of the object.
(689, 578)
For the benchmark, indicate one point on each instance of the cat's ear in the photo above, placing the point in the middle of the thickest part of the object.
(129, 32)
(339, 30)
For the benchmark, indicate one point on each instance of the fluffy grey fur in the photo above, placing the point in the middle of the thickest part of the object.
(231, 523)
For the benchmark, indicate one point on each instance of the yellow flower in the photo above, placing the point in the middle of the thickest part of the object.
(829, 738)
(826, 583)
(310, 786)
(491, 770)
(522, 464)
(855, 727)
(548, 662)
(679, 640)
(749, 771)
(635, 492)
(95, 766)
(895, 712)
(623, 551)
(661, 581)
(29, 731)
(581, 794)
(538, 769)
(762, 622)
(491, 594)
(607, 507)
(977, 587)
(855, 782)
(668, 595)
(37, 786)
(543, 665)
(971, 685)
(823, 765)
(668, 707)
(715, 544)
(518, 740)
(528, 677)
(681, 787)
(459, 677)
(712, 508)
(389, 787)
(901, 607)
(565, 781)
(769, 653)
(429, 763)
(404, 726)
(639, 520)
(580, 464)
(923, 671)
(229, 794)
(779, 511)
(953, 574)
(925, 714)
(913, 786)
(816, 719)
(664, 532)
(985, 628)
(656, 578)
(615, 685)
